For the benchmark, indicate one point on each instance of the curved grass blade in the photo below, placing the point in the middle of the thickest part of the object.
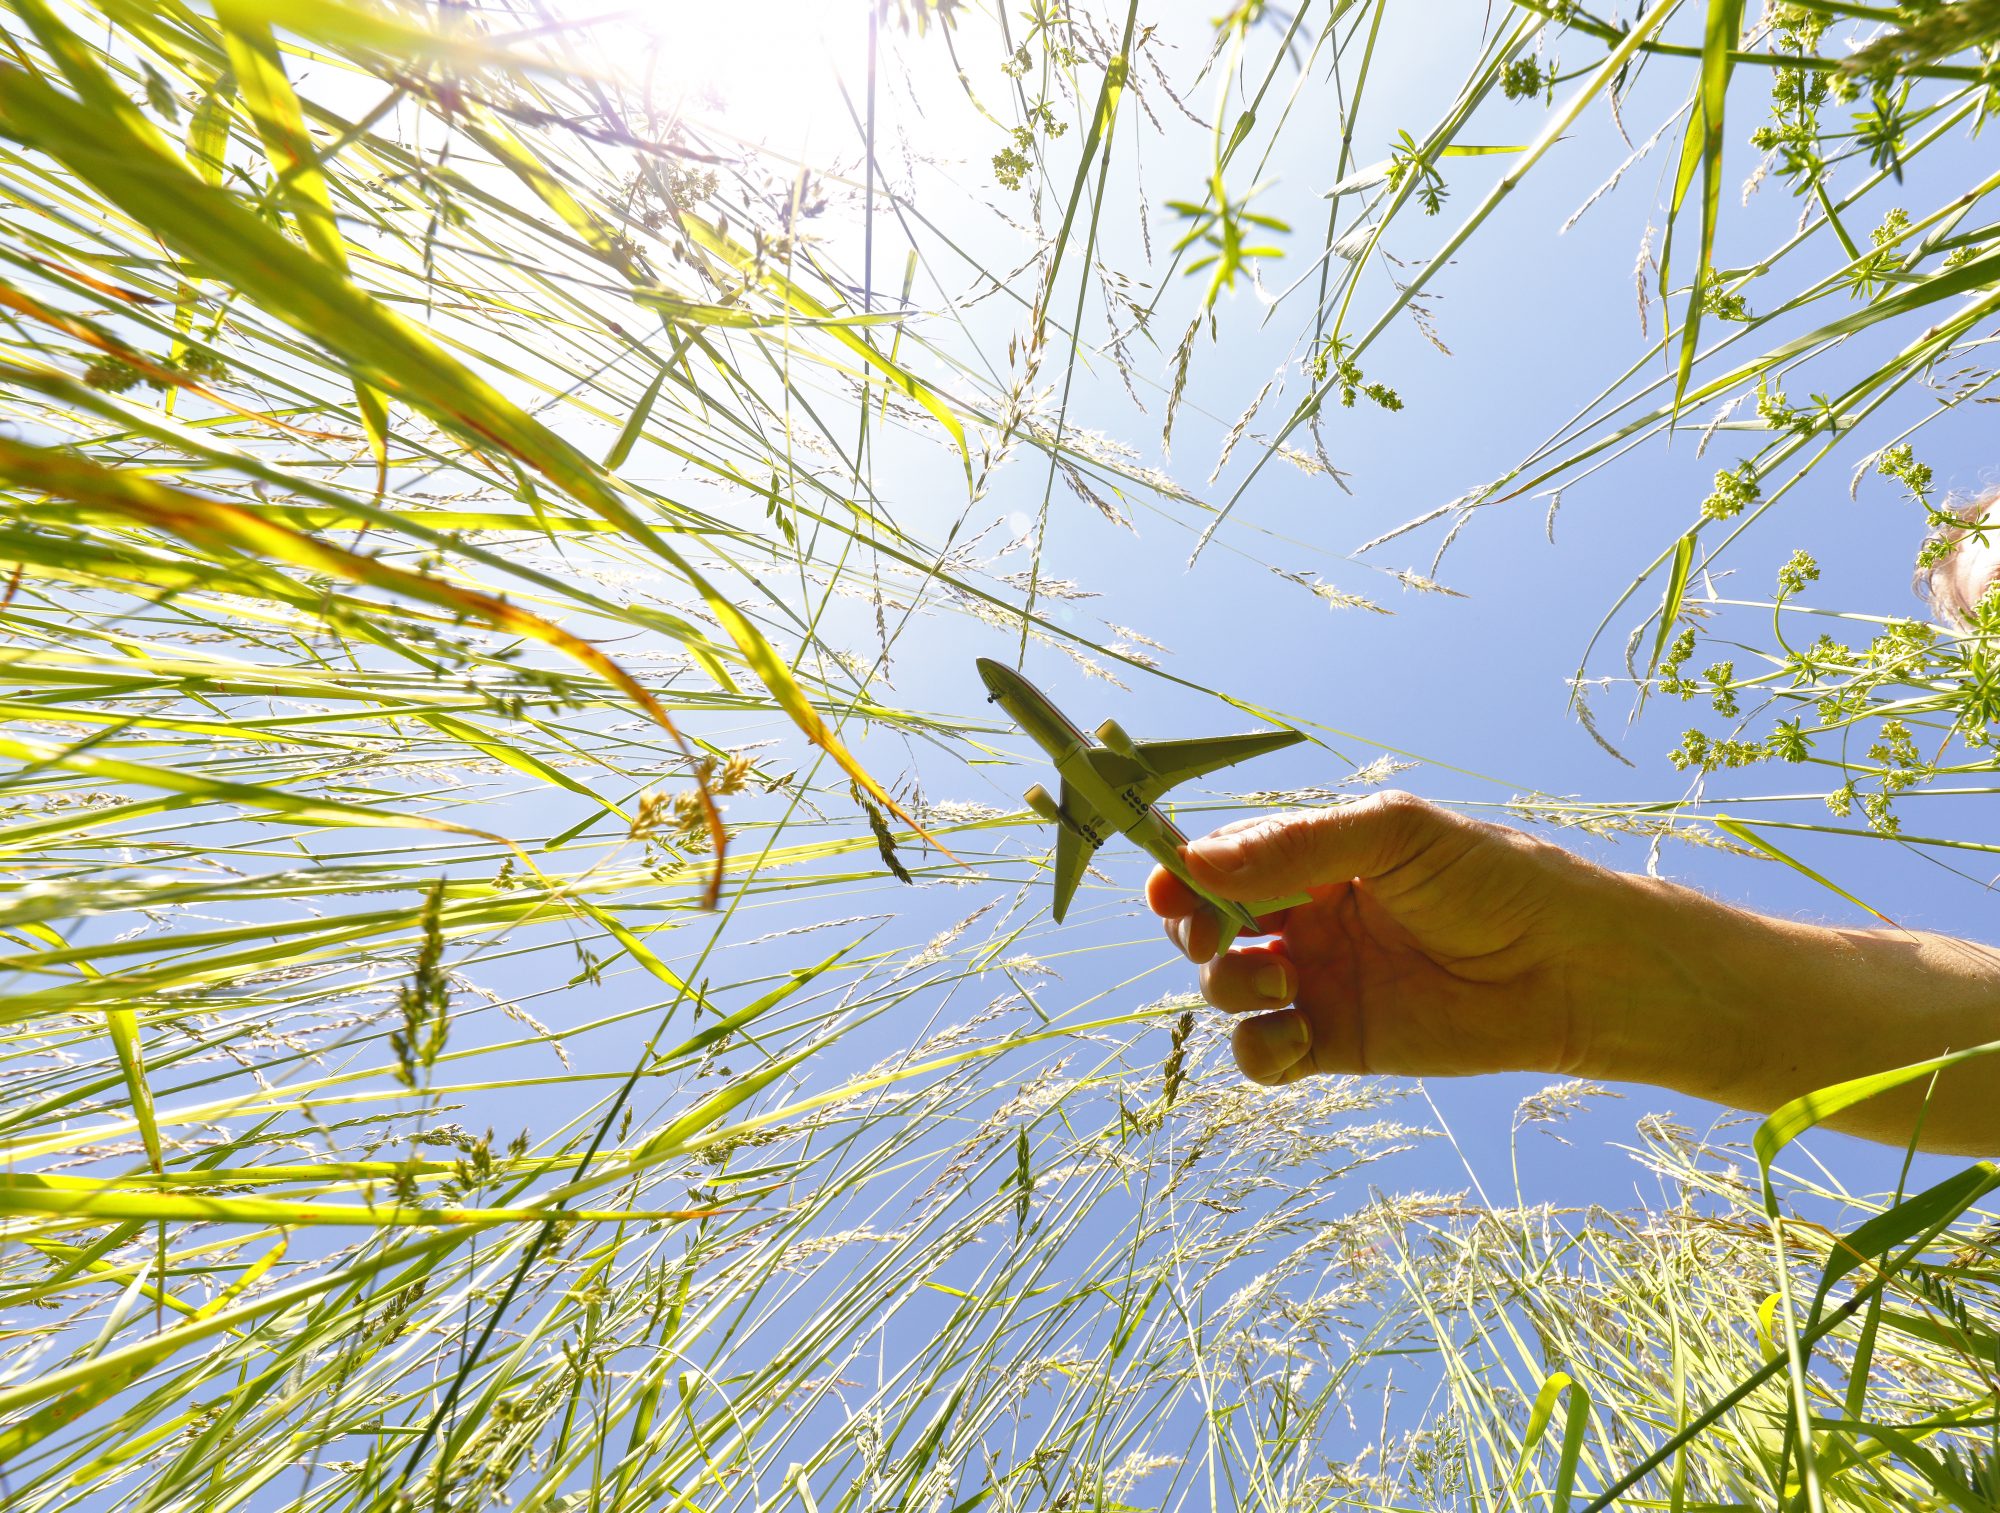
(213, 522)
(1741, 831)
(210, 226)
(260, 79)
(1702, 148)
(1670, 601)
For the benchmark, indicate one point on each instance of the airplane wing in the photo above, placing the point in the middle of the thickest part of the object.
(1073, 851)
(1159, 765)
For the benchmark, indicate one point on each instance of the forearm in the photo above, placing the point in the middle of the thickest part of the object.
(1754, 1011)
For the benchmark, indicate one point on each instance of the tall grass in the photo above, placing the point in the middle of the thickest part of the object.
(470, 1033)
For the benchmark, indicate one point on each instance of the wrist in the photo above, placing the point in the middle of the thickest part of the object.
(1663, 987)
(1669, 987)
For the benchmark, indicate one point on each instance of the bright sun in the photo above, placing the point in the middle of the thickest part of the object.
(772, 69)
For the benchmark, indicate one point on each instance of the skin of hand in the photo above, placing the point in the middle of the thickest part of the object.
(1437, 945)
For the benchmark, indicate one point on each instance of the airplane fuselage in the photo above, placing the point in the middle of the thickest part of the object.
(1123, 809)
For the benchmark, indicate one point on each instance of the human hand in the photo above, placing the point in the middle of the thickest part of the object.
(1433, 944)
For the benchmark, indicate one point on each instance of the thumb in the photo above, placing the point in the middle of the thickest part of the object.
(1283, 854)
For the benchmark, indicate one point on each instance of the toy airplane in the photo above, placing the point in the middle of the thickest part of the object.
(1114, 789)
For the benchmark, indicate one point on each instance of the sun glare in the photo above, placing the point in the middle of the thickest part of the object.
(770, 70)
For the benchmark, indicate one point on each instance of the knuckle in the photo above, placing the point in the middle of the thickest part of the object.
(1208, 978)
(1399, 816)
(1398, 802)
(1334, 827)
(1222, 982)
(1290, 837)
(1251, 1059)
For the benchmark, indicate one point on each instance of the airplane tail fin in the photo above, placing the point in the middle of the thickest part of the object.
(1240, 917)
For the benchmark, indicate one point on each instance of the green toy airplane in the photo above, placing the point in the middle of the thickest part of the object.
(1114, 788)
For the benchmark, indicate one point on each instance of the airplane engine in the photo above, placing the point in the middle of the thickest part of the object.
(1043, 803)
(1112, 734)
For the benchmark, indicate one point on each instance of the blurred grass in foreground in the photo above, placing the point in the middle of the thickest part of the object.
(434, 471)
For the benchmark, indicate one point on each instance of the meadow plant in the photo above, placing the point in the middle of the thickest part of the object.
(506, 1003)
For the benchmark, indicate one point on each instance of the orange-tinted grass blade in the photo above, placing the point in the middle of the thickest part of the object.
(212, 522)
(15, 299)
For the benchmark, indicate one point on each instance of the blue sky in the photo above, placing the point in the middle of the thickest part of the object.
(1537, 321)
(1471, 688)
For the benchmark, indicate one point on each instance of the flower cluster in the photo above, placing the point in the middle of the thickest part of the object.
(1525, 78)
(1735, 489)
(114, 375)
(1330, 358)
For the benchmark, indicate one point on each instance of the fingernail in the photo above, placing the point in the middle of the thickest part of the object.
(1178, 929)
(1272, 981)
(1283, 1038)
(1221, 853)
